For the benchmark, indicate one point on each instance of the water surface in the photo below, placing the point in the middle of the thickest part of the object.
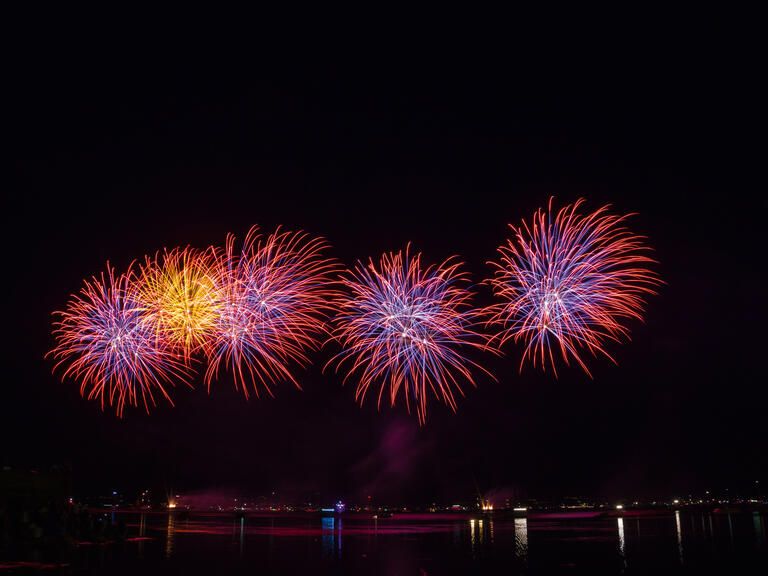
(419, 544)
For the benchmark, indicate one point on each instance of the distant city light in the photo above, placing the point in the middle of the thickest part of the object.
(619, 507)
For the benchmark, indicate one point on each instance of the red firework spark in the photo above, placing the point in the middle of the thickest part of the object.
(104, 342)
(275, 296)
(404, 327)
(570, 282)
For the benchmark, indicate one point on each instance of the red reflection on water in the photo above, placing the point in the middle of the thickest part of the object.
(433, 517)
(31, 565)
(565, 515)
(400, 524)
(367, 530)
(226, 530)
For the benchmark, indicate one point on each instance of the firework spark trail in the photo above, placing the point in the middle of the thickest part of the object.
(104, 342)
(405, 327)
(275, 294)
(180, 294)
(570, 282)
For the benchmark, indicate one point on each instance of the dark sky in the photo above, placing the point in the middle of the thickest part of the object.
(118, 155)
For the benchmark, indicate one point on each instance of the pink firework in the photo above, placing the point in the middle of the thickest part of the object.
(274, 298)
(106, 343)
(570, 282)
(405, 328)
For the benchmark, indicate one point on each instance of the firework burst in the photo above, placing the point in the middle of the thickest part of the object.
(180, 294)
(569, 283)
(103, 340)
(275, 295)
(404, 328)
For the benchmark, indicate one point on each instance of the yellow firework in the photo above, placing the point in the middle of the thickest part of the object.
(180, 292)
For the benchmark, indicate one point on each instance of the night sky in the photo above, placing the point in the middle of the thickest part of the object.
(117, 156)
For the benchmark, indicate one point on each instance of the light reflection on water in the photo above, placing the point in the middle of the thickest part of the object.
(170, 532)
(521, 539)
(730, 530)
(328, 524)
(680, 535)
(622, 541)
(477, 533)
(142, 534)
(332, 528)
(242, 534)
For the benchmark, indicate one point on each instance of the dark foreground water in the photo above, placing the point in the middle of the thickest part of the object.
(429, 544)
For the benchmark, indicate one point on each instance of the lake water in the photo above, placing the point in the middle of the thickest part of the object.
(419, 544)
